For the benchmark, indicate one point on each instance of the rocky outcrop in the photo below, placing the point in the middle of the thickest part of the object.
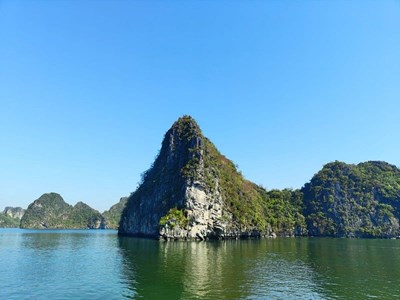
(83, 216)
(194, 192)
(11, 217)
(112, 216)
(354, 200)
(50, 211)
(164, 186)
(14, 212)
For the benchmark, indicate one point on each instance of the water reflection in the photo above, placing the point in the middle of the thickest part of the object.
(60, 265)
(357, 268)
(283, 274)
(99, 265)
(255, 269)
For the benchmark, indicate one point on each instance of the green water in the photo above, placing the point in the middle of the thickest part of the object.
(97, 264)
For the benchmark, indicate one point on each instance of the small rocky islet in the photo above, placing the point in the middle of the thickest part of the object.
(193, 192)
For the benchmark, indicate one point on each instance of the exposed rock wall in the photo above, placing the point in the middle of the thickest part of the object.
(163, 185)
(11, 217)
(187, 176)
(354, 200)
(194, 192)
(14, 212)
(112, 216)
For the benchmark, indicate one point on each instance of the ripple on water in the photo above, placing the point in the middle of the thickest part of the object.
(99, 265)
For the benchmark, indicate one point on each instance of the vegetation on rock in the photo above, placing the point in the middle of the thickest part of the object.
(190, 170)
(8, 222)
(193, 191)
(161, 186)
(51, 211)
(11, 217)
(252, 207)
(173, 218)
(354, 200)
(283, 211)
(83, 216)
(113, 215)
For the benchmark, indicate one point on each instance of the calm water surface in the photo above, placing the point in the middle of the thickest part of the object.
(83, 264)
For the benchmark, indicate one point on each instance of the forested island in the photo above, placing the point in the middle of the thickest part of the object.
(50, 211)
(192, 191)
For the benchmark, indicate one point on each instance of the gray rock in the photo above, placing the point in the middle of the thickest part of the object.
(179, 178)
(14, 212)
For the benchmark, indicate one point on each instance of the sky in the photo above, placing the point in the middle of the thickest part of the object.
(89, 88)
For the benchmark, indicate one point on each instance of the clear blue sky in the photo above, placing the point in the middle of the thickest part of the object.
(88, 89)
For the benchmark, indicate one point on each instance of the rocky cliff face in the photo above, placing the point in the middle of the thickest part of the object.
(354, 200)
(164, 186)
(192, 191)
(14, 212)
(11, 217)
(112, 216)
(51, 211)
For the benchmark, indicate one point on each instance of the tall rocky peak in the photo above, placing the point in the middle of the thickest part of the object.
(181, 149)
(165, 185)
(193, 191)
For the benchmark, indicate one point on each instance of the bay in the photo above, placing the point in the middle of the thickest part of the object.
(97, 264)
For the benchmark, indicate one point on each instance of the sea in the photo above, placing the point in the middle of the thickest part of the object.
(97, 264)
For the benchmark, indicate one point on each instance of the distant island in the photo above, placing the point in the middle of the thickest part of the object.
(10, 217)
(194, 192)
(50, 211)
(113, 215)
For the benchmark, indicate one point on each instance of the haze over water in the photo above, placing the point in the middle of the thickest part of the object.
(83, 264)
